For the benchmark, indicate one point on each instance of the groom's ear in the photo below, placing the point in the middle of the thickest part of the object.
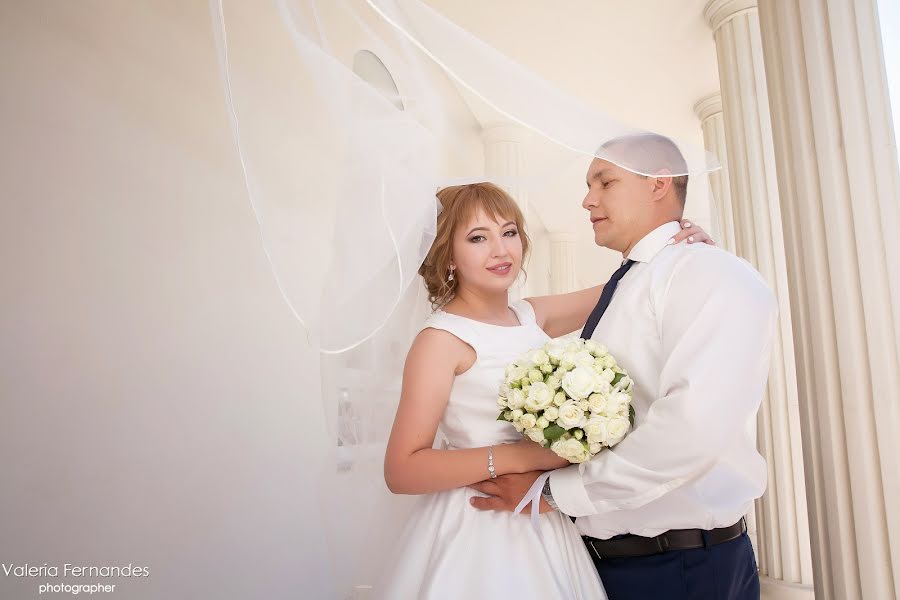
(661, 185)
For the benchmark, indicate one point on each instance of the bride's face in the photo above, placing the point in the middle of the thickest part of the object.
(487, 254)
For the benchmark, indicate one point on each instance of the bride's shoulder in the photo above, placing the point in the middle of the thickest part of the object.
(443, 332)
(435, 345)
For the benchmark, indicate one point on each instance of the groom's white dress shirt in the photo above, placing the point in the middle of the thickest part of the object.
(693, 325)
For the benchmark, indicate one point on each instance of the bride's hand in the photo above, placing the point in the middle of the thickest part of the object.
(692, 233)
(531, 456)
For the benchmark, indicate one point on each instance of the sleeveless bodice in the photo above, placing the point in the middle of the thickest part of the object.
(470, 419)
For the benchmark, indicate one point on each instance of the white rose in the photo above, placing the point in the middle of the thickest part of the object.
(540, 396)
(517, 414)
(501, 402)
(524, 362)
(578, 434)
(617, 402)
(594, 348)
(535, 434)
(595, 448)
(571, 449)
(559, 399)
(551, 413)
(597, 403)
(535, 375)
(554, 382)
(504, 390)
(543, 422)
(538, 357)
(576, 344)
(597, 429)
(579, 383)
(515, 374)
(584, 405)
(516, 399)
(608, 361)
(546, 368)
(555, 348)
(607, 375)
(601, 386)
(617, 428)
(568, 360)
(528, 421)
(518, 426)
(583, 359)
(570, 415)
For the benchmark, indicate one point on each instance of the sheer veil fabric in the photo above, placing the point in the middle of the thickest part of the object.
(341, 172)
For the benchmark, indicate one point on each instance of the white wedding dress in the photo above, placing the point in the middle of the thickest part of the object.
(448, 548)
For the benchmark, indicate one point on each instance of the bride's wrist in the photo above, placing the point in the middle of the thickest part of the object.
(506, 460)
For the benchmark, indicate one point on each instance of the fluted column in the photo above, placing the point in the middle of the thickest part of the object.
(562, 263)
(503, 164)
(782, 528)
(838, 182)
(709, 110)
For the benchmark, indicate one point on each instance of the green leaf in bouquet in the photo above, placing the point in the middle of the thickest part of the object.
(553, 432)
(617, 378)
(631, 414)
(501, 417)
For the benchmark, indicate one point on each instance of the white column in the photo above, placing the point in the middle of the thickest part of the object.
(503, 160)
(782, 527)
(562, 263)
(709, 110)
(838, 182)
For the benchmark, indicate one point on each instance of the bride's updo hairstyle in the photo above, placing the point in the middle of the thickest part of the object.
(459, 204)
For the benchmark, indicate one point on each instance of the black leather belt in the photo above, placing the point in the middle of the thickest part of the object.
(631, 546)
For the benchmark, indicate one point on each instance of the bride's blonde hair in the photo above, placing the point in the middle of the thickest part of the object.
(459, 204)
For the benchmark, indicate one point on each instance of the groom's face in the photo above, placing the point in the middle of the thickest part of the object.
(616, 200)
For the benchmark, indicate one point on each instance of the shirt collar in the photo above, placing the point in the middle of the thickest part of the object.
(650, 245)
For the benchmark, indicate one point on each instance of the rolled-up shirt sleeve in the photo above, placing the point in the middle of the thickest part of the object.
(716, 321)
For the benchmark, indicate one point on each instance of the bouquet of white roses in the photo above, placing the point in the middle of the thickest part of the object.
(570, 396)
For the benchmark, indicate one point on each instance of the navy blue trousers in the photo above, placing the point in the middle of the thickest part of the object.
(721, 572)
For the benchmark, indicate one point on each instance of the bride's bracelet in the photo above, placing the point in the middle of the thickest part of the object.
(491, 462)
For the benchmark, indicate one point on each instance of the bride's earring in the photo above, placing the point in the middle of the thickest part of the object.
(450, 276)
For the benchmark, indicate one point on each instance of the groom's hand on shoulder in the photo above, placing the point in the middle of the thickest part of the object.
(506, 491)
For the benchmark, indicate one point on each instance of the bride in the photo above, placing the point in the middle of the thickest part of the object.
(448, 549)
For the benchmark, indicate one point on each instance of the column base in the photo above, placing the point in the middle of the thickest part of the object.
(775, 589)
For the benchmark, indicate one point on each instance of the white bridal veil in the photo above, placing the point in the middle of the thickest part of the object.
(342, 170)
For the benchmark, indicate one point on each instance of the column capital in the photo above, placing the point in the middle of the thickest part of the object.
(719, 12)
(708, 106)
(562, 237)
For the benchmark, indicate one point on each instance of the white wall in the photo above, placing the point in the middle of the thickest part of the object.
(155, 391)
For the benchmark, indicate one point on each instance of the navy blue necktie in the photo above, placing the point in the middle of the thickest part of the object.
(605, 299)
(602, 304)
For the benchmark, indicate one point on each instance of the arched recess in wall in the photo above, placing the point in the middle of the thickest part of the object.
(370, 68)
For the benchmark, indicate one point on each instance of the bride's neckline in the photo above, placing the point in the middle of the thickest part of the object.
(515, 312)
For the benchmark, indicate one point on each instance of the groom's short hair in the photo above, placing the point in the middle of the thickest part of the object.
(634, 148)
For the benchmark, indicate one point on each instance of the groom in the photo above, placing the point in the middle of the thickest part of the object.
(661, 513)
